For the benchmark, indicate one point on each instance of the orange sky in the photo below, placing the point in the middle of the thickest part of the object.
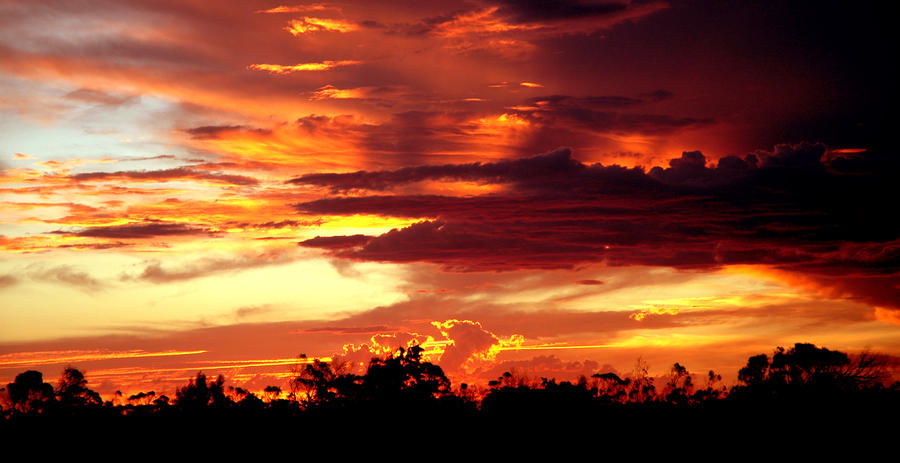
(554, 187)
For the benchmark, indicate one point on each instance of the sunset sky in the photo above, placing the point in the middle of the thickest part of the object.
(554, 187)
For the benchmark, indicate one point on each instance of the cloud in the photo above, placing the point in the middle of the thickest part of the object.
(536, 11)
(306, 25)
(538, 168)
(7, 280)
(788, 208)
(179, 173)
(214, 132)
(336, 242)
(251, 311)
(89, 95)
(603, 114)
(470, 344)
(67, 275)
(293, 9)
(288, 69)
(545, 366)
(140, 230)
(155, 272)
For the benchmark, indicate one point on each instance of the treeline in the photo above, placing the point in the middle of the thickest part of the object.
(802, 377)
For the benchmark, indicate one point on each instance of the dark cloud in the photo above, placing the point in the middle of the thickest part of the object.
(603, 114)
(336, 242)
(658, 95)
(586, 102)
(524, 11)
(544, 122)
(787, 208)
(140, 230)
(213, 132)
(178, 173)
(552, 164)
(278, 224)
(117, 244)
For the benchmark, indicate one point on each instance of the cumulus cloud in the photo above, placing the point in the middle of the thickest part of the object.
(470, 344)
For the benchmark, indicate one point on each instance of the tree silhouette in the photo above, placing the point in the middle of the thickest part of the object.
(821, 383)
(641, 388)
(318, 383)
(405, 376)
(200, 394)
(272, 393)
(806, 373)
(72, 390)
(679, 388)
(29, 393)
(610, 388)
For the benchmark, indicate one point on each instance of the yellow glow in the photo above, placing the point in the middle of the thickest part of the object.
(307, 24)
(287, 69)
(641, 315)
(50, 357)
(531, 85)
(671, 339)
(331, 92)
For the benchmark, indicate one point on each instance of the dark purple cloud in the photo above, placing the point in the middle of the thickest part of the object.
(178, 173)
(140, 230)
(525, 11)
(213, 132)
(789, 208)
(541, 167)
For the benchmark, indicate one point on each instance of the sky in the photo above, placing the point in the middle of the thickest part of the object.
(555, 188)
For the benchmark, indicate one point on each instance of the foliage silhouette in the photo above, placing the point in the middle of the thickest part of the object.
(806, 374)
(199, 395)
(403, 386)
(72, 390)
(29, 393)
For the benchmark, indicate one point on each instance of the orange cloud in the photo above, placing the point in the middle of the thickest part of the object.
(332, 92)
(287, 69)
(470, 344)
(293, 9)
(306, 25)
